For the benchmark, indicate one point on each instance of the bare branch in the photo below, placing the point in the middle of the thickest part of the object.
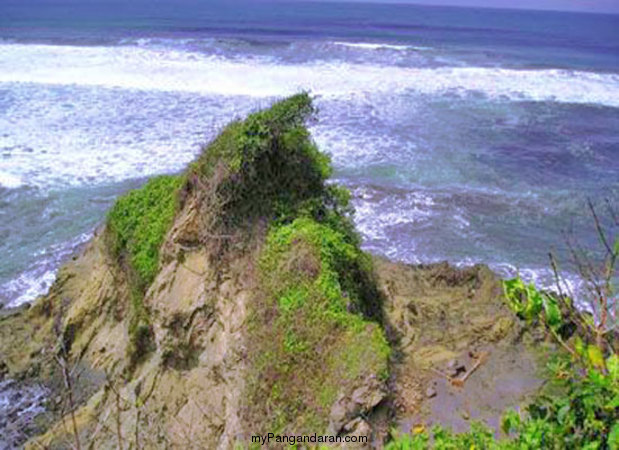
(598, 228)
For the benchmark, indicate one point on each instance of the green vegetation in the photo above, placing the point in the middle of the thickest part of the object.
(138, 222)
(307, 344)
(313, 329)
(267, 167)
(580, 409)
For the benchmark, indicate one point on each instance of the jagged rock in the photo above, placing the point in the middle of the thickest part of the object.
(457, 311)
(361, 402)
(357, 427)
(455, 368)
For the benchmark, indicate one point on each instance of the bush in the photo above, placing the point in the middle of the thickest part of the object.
(138, 223)
(268, 167)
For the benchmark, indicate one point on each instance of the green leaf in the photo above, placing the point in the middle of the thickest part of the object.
(510, 422)
(512, 289)
(579, 346)
(553, 313)
(595, 357)
(613, 437)
(534, 302)
(612, 364)
(598, 379)
(614, 403)
(562, 413)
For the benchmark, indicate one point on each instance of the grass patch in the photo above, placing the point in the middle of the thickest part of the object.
(310, 340)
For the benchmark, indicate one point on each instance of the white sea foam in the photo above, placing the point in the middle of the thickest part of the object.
(41, 275)
(80, 133)
(133, 67)
(379, 46)
(544, 278)
(75, 136)
(10, 181)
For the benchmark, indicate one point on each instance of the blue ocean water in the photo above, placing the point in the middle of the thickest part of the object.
(467, 135)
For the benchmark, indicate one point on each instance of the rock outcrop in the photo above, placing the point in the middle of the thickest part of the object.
(229, 301)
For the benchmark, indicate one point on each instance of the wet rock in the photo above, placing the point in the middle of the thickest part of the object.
(362, 400)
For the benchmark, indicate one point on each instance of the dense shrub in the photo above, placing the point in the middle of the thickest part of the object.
(138, 222)
(268, 167)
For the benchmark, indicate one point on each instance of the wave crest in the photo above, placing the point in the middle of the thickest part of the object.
(142, 68)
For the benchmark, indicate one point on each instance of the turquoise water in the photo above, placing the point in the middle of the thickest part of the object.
(465, 135)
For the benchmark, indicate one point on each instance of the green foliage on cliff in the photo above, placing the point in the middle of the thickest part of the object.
(310, 339)
(314, 328)
(136, 227)
(138, 222)
(268, 167)
(315, 324)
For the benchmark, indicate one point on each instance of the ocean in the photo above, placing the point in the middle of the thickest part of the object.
(466, 135)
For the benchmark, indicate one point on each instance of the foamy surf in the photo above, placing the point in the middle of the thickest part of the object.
(10, 181)
(38, 278)
(131, 67)
(379, 46)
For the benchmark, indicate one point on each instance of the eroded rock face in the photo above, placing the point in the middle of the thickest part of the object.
(188, 392)
(347, 411)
